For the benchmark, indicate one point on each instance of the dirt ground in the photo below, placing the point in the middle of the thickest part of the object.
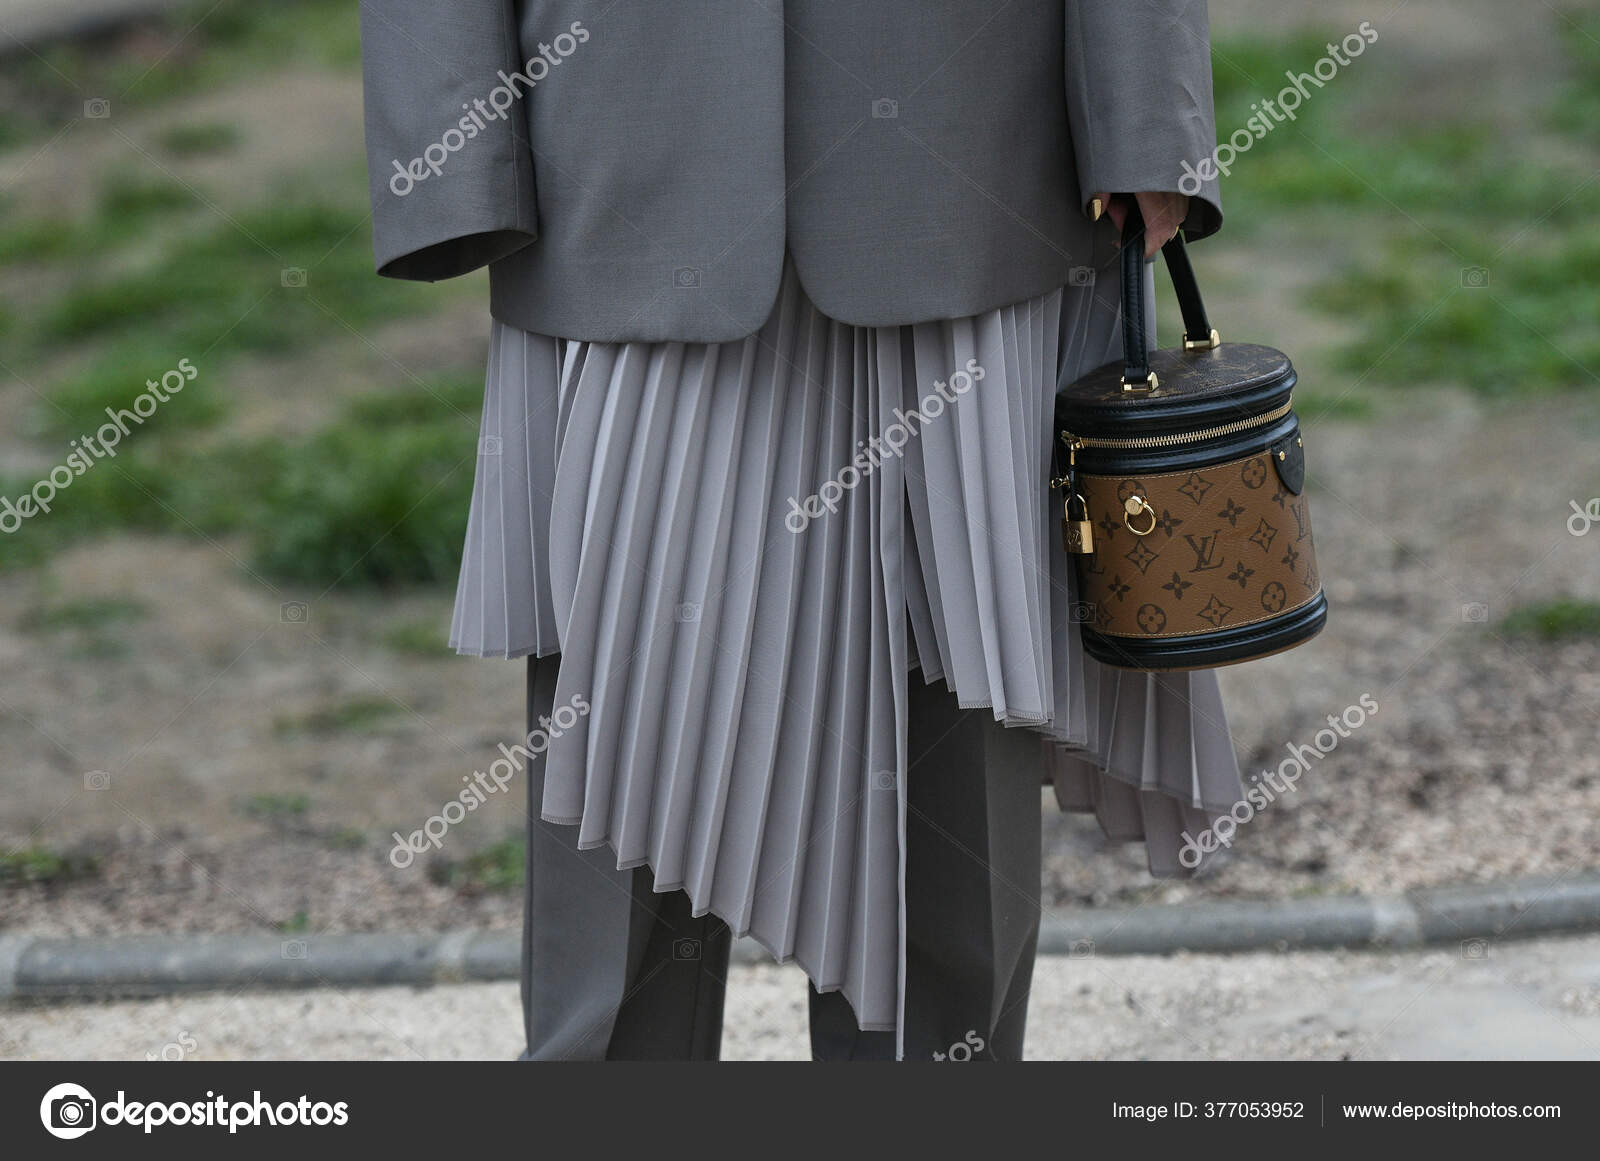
(167, 746)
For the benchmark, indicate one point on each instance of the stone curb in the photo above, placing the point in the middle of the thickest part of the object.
(1472, 917)
(1439, 915)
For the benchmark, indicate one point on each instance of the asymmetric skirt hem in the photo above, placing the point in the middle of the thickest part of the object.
(743, 551)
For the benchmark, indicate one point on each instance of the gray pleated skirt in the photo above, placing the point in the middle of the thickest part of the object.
(743, 550)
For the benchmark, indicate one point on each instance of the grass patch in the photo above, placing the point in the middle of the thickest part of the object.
(201, 45)
(384, 508)
(1452, 285)
(1518, 326)
(124, 494)
(87, 613)
(420, 638)
(1430, 171)
(41, 865)
(39, 240)
(1577, 108)
(1315, 406)
(124, 197)
(89, 626)
(79, 404)
(358, 504)
(201, 139)
(1559, 620)
(357, 714)
(275, 280)
(152, 277)
(498, 867)
(278, 808)
(345, 838)
(458, 397)
(125, 208)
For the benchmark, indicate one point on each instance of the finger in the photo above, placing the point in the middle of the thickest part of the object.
(1154, 239)
(1164, 214)
(1156, 235)
(1155, 224)
(1103, 205)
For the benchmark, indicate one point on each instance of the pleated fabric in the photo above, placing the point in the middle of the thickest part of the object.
(743, 550)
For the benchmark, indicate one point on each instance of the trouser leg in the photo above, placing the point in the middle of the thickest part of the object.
(835, 1034)
(610, 969)
(972, 891)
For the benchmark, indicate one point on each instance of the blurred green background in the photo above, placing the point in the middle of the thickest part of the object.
(184, 241)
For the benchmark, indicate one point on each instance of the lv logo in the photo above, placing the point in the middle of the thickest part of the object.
(1302, 523)
(1204, 548)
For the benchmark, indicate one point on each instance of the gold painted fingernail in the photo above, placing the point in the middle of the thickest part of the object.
(1096, 209)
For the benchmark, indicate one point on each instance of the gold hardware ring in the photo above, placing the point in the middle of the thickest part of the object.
(1138, 506)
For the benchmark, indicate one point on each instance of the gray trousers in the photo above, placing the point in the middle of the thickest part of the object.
(613, 971)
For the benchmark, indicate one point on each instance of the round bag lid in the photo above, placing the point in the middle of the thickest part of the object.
(1193, 389)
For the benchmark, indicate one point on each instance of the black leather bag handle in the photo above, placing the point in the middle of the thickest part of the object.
(1197, 332)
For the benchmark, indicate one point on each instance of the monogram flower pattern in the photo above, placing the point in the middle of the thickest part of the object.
(1196, 487)
(1239, 554)
(1264, 536)
(1167, 522)
(1140, 557)
(1177, 585)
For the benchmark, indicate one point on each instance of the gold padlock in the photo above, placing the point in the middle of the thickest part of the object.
(1077, 535)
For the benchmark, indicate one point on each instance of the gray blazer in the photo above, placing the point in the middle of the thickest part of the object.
(635, 169)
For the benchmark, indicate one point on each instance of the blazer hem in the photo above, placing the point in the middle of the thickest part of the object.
(580, 325)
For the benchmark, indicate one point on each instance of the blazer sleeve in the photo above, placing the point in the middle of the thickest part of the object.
(452, 188)
(1139, 101)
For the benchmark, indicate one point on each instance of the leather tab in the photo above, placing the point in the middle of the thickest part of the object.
(1289, 457)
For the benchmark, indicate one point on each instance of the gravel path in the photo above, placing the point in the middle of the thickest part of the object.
(1539, 999)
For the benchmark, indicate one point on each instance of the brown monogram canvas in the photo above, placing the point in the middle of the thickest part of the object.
(1231, 546)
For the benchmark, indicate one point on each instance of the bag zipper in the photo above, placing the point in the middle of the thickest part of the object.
(1134, 443)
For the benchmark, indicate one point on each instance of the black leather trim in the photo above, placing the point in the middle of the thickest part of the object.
(1209, 650)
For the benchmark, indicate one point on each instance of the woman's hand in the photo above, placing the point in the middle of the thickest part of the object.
(1163, 213)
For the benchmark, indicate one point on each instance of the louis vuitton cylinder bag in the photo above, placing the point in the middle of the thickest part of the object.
(1182, 479)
